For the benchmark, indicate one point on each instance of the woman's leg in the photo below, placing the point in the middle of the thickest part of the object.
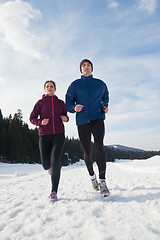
(98, 133)
(56, 153)
(85, 139)
(45, 151)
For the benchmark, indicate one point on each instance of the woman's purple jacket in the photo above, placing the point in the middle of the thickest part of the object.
(52, 108)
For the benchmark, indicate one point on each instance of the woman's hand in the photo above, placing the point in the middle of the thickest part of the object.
(105, 109)
(78, 108)
(45, 121)
(64, 118)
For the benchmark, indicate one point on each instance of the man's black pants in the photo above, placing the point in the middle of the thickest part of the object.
(96, 128)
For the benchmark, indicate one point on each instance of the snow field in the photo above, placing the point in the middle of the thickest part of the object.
(132, 212)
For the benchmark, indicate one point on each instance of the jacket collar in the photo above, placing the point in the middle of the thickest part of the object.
(86, 78)
(46, 95)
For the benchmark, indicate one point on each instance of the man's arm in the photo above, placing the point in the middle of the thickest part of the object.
(105, 97)
(70, 99)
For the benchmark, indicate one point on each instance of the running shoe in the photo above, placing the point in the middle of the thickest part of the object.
(95, 184)
(104, 189)
(49, 171)
(53, 196)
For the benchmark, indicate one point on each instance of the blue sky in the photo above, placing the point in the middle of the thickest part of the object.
(41, 40)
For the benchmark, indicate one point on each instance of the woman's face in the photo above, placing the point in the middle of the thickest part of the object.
(86, 69)
(50, 89)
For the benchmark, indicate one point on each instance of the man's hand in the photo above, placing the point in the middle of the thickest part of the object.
(105, 109)
(78, 108)
(64, 118)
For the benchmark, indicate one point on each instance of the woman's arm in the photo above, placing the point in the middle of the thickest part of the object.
(35, 114)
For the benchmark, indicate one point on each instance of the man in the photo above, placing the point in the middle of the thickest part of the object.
(89, 98)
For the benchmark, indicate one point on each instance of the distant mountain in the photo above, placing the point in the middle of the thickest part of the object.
(124, 148)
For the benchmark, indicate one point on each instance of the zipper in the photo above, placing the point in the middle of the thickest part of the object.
(53, 117)
(88, 100)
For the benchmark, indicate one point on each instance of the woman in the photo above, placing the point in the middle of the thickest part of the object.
(49, 113)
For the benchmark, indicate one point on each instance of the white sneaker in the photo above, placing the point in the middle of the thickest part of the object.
(104, 189)
(53, 196)
(95, 184)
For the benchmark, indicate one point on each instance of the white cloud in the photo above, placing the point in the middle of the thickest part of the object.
(133, 79)
(147, 5)
(145, 138)
(15, 17)
(1, 80)
(112, 4)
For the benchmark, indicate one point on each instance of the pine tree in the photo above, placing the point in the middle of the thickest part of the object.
(1, 121)
(4, 143)
(15, 143)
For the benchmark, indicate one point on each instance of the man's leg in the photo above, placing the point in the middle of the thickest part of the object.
(85, 139)
(98, 133)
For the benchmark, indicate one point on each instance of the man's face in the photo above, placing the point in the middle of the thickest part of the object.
(86, 69)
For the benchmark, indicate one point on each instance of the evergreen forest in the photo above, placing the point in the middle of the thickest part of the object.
(19, 144)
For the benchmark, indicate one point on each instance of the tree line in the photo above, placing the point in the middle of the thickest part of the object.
(19, 144)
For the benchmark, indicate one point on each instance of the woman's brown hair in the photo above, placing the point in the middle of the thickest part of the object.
(54, 84)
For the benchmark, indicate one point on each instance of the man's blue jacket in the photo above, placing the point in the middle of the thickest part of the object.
(90, 92)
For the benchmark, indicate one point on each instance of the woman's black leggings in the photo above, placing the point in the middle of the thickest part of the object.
(96, 128)
(51, 147)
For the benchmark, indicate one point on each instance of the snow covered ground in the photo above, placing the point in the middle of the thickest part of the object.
(131, 213)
